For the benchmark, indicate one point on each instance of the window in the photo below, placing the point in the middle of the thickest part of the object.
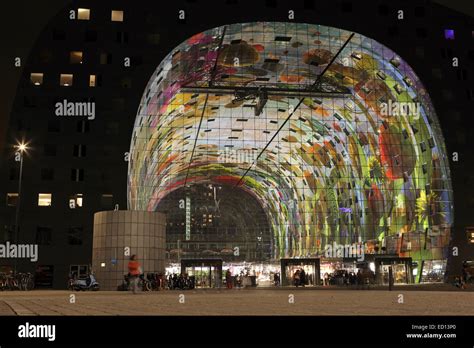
(126, 82)
(49, 150)
(22, 125)
(436, 72)
(44, 199)
(449, 34)
(105, 58)
(107, 201)
(153, 39)
(65, 80)
(420, 52)
(79, 150)
(43, 235)
(14, 174)
(59, 35)
(75, 57)
(92, 80)
(47, 174)
(108, 150)
(29, 101)
(54, 126)
(77, 174)
(7, 233)
(83, 14)
(118, 104)
(12, 199)
(462, 74)
(90, 36)
(117, 16)
(447, 94)
(470, 234)
(75, 235)
(112, 128)
(105, 175)
(45, 56)
(421, 32)
(75, 201)
(122, 37)
(419, 11)
(36, 79)
(83, 126)
(79, 271)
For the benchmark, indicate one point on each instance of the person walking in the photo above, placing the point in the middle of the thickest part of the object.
(390, 278)
(134, 271)
(303, 278)
(296, 278)
(228, 279)
(276, 279)
(359, 279)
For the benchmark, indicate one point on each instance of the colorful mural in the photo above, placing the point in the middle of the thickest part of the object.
(360, 160)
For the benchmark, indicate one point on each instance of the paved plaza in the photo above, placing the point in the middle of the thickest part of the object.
(239, 302)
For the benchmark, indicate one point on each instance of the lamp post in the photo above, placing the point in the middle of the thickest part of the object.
(21, 149)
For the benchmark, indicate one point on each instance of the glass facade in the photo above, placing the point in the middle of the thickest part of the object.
(331, 133)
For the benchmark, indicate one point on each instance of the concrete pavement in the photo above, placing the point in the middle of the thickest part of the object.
(287, 301)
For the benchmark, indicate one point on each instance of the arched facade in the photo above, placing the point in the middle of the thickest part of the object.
(332, 132)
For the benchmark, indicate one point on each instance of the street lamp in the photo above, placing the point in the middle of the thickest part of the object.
(21, 147)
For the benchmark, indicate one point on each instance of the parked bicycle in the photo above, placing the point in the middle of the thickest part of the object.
(20, 281)
(143, 283)
(26, 281)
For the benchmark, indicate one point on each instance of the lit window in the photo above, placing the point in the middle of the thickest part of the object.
(105, 58)
(92, 81)
(75, 57)
(117, 16)
(12, 199)
(470, 234)
(66, 80)
(83, 14)
(75, 201)
(36, 78)
(449, 34)
(44, 199)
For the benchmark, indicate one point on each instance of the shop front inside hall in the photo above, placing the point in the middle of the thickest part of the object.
(304, 272)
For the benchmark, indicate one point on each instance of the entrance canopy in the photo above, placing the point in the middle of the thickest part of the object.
(332, 133)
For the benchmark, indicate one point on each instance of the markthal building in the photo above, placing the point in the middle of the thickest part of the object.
(268, 144)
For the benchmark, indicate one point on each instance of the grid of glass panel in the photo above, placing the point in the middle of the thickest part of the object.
(351, 155)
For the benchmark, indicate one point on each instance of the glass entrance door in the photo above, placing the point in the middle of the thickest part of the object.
(301, 274)
(399, 273)
(206, 274)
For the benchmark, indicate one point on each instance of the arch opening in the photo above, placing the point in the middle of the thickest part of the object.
(331, 132)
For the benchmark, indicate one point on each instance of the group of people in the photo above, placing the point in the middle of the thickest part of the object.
(460, 282)
(299, 278)
(240, 280)
(181, 281)
(344, 277)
